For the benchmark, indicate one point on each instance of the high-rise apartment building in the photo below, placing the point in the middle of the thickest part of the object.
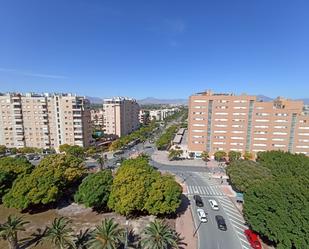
(243, 123)
(97, 117)
(44, 120)
(121, 115)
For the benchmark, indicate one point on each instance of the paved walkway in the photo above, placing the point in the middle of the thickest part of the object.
(162, 157)
(184, 223)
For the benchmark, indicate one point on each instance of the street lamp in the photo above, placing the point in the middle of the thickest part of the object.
(126, 239)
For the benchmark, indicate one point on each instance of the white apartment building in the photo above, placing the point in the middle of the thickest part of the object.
(121, 115)
(44, 120)
(161, 114)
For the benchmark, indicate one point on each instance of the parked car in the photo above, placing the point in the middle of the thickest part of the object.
(253, 239)
(213, 204)
(221, 222)
(201, 215)
(198, 201)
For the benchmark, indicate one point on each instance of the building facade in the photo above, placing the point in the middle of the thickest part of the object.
(242, 123)
(121, 116)
(44, 120)
(97, 117)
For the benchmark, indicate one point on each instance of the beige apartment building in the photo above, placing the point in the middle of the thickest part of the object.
(44, 120)
(243, 123)
(97, 117)
(121, 115)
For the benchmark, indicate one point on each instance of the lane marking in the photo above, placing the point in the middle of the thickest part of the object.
(231, 209)
(232, 214)
(240, 224)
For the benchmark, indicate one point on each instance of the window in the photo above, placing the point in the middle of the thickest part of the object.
(280, 133)
(219, 143)
(261, 126)
(220, 125)
(221, 113)
(219, 131)
(240, 107)
(199, 101)
(279, 145)
(240, 101)
(261, 145)
(239, 113)
(237, 138)
(261, 120)
(199, 125)
(237, 132)
(278, 139)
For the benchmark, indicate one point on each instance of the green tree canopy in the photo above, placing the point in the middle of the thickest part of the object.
(277, 207)
(164, 196)
(46, 183)
(16, 165)
(234, 155)
(164, 141)
(131, 186)
(2, 149)
(174, 154)
(245, 173)
(248, 155)
(95, 189)
(279, 210)
(220, 155)
(205, 155)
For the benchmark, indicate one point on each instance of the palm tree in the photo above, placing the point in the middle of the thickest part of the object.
(108, 235)
(9, 230)
(101, 162)
(81, 239)
(60, 234)
(158, 235)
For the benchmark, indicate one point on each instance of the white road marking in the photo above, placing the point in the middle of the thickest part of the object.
(234, 215)
(231, 209)
(239, 224)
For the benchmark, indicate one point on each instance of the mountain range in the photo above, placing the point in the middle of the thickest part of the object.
(152, 100)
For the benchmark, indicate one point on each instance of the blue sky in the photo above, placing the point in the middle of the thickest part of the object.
(165, 49)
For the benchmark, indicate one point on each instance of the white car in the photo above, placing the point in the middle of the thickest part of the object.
(201, 215)
(214, 205)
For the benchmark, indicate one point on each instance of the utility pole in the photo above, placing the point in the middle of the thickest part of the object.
(197, 228)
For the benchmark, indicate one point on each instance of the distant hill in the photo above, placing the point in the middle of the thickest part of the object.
(306, 101)
(94, 100)
(263, 98)
(151, 100)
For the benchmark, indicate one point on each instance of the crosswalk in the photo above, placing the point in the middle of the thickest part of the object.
(235, 218)
(205, 190)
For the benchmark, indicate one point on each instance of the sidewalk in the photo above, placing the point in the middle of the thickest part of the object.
(184, 223)
(162, 157)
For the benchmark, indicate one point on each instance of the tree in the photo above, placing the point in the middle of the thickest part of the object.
(278, 207)
(243, 174)
(158, 235)
(205, 156)
(95, 189)
(108, 235)
(6, 181)
(46, 183)
(279, 210)
(234, 155)
(164, 196)
(2, 149)
(73, 150)
(9, 230)
(26, 150)
(131, 186)
(60, 233)
(174, 154)
(248, 155)
(64, 147)
(15, 165)
(220, 155)
(164, 141)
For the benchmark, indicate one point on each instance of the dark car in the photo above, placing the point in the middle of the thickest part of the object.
(198, 201)
(221, 222)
